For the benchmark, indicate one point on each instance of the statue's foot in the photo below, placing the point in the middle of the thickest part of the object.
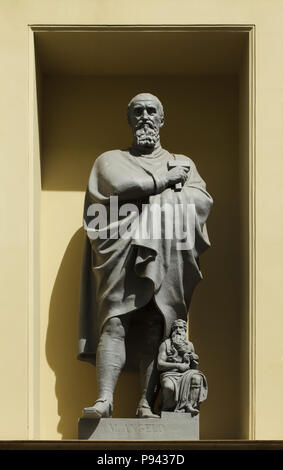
(192, 410)
(102, 408)
(145, 412)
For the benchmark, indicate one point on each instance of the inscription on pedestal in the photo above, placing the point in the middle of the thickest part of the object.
(168, 427)
(134, 427)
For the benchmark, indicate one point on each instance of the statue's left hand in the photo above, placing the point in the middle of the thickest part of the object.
(187, 358)
(183, 366)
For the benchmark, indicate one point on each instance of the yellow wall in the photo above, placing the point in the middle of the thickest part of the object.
(78, 124)
(19, 313)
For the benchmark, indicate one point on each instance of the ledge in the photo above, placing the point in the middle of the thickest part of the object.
(211, 445)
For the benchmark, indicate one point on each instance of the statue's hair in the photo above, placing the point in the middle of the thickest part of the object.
(178, 322)
(142, 97)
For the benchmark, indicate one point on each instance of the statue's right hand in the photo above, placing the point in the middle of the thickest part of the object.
(183, 366)
(177, 175)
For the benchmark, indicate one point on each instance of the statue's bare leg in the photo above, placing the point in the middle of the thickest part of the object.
(193, 402)
(149, 375)
(110, 360)
(168, 395)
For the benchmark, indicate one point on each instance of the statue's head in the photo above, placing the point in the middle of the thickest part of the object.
(146, 117)
(179, 329)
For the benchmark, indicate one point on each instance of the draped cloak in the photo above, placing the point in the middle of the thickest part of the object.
(121, 274)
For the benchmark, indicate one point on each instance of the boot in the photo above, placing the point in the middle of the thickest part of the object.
(110, 360)
(149, 376)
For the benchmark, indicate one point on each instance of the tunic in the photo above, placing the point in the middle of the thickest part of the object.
(121, 274)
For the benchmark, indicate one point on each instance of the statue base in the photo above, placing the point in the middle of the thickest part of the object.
(169, 427)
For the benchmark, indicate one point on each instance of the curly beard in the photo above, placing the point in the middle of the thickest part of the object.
(179, 347)
(146, 134)
(179, 341)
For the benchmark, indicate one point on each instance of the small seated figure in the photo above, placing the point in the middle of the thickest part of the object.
(183, 386)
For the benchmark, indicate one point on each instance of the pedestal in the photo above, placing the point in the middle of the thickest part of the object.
(170, 426)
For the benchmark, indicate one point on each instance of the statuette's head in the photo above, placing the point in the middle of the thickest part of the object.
(178, 330)
(146, 117)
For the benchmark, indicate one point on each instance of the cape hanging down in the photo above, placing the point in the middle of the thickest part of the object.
(122, 274)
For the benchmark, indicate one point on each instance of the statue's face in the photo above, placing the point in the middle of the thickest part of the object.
(179, 332)
(146, 118)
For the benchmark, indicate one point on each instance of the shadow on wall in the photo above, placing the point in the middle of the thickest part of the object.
(207, 129)
(76, 385)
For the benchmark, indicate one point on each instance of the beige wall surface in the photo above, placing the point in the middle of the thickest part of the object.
(74, 115)
(19, 309)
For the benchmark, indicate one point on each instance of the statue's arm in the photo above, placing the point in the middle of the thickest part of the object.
(194, 357)
(164, 366)
(139, 188)
(115, 178)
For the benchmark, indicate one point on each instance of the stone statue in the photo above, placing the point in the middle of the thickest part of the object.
(183, 386)
(144, 216)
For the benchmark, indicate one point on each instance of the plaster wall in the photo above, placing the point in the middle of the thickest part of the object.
(79, 123)
(17, 325)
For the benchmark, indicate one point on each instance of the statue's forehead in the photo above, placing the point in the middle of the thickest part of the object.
(144, 97)
(143, 101)
(179, 323)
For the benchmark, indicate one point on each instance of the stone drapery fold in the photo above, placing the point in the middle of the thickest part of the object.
(123, 274)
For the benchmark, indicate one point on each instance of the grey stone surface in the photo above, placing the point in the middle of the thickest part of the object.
(171, 426)
(138, 282)
(183, 386)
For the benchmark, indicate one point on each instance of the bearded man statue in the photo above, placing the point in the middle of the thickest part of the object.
(183, 386)
(134, 284)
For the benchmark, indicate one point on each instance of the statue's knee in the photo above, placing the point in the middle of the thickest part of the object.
(167, 386)
(196, 380)
(114, 328)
